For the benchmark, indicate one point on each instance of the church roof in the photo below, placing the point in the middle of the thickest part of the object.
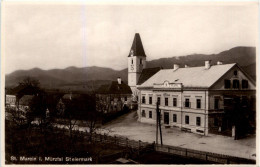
(191, 77)
(137, 47)
(114, 88)
(147, 73)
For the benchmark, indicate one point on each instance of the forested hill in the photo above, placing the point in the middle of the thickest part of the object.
(92, 77)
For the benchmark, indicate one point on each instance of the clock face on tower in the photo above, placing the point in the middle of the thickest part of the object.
(132, 67)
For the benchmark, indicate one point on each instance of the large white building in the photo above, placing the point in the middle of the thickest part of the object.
(197, 99)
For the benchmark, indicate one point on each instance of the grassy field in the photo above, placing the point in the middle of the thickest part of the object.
(32, 142)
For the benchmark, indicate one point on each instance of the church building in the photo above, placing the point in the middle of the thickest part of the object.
(214, 98)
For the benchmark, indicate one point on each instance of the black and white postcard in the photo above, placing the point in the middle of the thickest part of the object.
(151, 83)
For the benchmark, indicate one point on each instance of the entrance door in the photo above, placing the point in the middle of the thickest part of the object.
(166, 118)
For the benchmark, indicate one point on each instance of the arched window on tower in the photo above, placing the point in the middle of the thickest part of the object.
(132, 61)
(141, 61)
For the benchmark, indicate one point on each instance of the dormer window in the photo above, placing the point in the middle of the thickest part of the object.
(235, 72)
(244, 84)
(235, 83)
(227, 84)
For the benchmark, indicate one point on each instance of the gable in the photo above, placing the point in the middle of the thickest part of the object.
(230, 75)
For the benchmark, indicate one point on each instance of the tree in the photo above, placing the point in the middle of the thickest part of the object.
(27, 86)
(28, 81)
(38, 109)
(16, 117)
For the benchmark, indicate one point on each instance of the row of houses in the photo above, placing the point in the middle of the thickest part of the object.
(110, 98)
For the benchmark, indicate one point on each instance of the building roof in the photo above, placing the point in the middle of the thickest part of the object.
(191, 77)
(147, 73)
(137, 47)
(25, 100)
(70, 96)
(114, 88)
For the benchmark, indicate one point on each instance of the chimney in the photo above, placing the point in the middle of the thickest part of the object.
(207, 64)
(175, 66)
(186, 66)
(219, 62)
(119, 80)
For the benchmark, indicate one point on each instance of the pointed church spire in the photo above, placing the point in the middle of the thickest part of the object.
(137, 47)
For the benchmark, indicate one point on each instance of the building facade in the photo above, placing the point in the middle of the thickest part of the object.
(195, 99)
(10, 101)
(113, 97)
(218, 98)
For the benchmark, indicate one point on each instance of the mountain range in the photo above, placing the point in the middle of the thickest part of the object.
(87, 78)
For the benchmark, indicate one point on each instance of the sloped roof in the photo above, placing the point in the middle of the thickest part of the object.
(70, 96)
(25, 100)
(147, 73)
(191, 77)
(114, 88)
(137, 47)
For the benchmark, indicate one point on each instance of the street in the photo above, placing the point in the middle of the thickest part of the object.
(128, 126)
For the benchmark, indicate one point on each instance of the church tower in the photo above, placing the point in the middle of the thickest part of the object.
(136, 62)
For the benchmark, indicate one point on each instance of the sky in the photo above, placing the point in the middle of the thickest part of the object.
(60, 35)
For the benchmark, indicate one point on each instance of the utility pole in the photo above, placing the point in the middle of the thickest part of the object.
(158, 123)
(160, 126)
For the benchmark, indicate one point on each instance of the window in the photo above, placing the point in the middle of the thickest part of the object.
(140, 61)
(187, 119)
(235, 83)
(198, 121)
(244, 83)
(198, 103)
(235, 73)
(166, 101)
(150, 100)
(227, 83)
(159, 100)
(143, 113)
(143, 99)
(215, 121)
(125, 98)
(150, 114)
(216, 103)
(244, 101)
(174, 102)
(132, 61)
(174, 119)
(187, 103)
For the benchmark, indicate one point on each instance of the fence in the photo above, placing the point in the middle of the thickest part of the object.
(206, 156)
(140, 146)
